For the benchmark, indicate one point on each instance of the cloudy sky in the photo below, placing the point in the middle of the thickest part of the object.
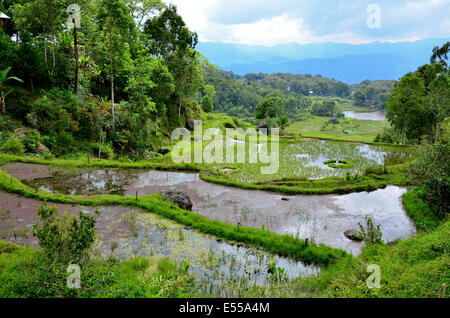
(272, 22)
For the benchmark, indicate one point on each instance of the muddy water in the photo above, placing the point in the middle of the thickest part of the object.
(322, 219)
(374, 115)
(125, 232)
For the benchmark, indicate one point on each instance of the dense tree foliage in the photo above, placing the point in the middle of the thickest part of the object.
(420, 102)
(270, 107)
(372, 94)
(240, 95)
(326, 109)
(432, 170)
(118, 81)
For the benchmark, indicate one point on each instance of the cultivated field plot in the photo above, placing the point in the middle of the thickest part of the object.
(306, 160)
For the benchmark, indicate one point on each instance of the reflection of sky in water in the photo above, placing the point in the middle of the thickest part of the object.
(161, 178)
(372, 154)
(318, 161)
(384, 207)
(376, 115)
(323, 218)
(228, 261)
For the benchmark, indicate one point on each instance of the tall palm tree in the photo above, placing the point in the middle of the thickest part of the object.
(3, 79)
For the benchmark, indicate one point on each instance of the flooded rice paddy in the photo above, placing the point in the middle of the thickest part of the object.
(320, 218)
(379, 115)
(125, 232)
(306, 160)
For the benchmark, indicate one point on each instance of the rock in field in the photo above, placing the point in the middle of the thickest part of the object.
(353, 235)
(40, 148)
(263, 127)
(190, 124)
(335, 121)
(163, 151)
(178, 198)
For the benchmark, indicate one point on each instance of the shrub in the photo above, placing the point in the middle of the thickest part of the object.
(377, 170)
(229, 124)
(64, 239)
(31, 140)
(370, 233)
(49, 142)
(432, 170)
(107, 152)
(49, 156)
(389, 136)
(207, 104)
(13, 146)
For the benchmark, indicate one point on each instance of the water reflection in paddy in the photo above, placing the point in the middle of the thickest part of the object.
(368, 115)
(320, 218)
(134, 232)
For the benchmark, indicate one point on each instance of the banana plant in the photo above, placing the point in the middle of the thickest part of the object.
(3, 79)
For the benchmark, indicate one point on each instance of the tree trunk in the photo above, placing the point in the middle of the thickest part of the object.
(53, 53)
(100, 145)
(112, 75)
(77, 62)
(45, 53)
(3, 104)
(404, 132)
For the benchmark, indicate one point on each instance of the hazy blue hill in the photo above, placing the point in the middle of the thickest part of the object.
(345, 62)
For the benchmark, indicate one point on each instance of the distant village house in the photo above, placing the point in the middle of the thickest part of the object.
(3, 19)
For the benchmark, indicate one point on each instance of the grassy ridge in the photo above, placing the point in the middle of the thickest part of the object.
(282, 245)
(100, 163)
(333, 185)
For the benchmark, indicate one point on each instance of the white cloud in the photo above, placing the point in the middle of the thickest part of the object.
(269, 22)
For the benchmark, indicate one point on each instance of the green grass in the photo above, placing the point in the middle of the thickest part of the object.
(339, 164)
(163, 163)
(356, 130)
(415, 268)
(423, 217)
(25, 273)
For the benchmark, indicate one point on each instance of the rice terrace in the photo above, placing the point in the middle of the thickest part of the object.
(146, 155)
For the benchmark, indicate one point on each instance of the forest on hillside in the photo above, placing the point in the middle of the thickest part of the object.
(104, 76)
(239, 95)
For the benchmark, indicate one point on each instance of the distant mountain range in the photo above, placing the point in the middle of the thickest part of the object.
(346, 62)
